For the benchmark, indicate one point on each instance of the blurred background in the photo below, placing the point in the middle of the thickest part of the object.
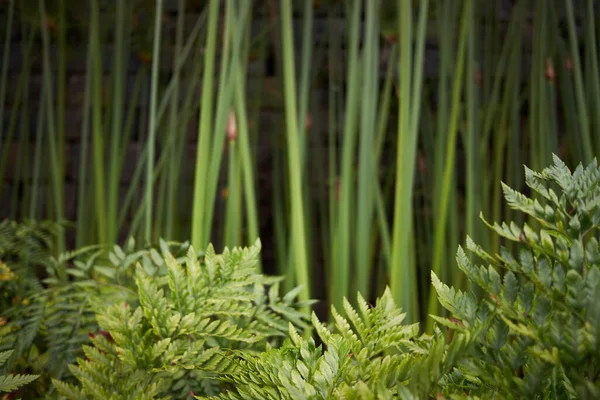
(359, 140)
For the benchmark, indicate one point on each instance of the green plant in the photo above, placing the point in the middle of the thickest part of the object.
(534, 335)
(50, 322)
(25, 251)
(181, 327)
(369, 354)
(536, 331)
(10, 383)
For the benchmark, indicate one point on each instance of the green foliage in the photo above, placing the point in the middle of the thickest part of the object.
(536, 333)
(164, 322)
(25, 251)
(48, 326)
(369, 354)
(184, 327)
(10, 383)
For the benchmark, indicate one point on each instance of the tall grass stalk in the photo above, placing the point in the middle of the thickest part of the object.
(366, 167)
(148, 199)
(118, 140)
(173, 175)
(54, 137)
(205, 128)
(340, 274)
(83, 208)
(440, 228)
(583, 112)
(97, 125)
(298, 238)
(247, 164)
(403, 281)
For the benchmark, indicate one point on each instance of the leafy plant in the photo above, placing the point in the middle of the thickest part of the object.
(10, 383)
(183, 326)
(369, 354)
(47, 327)
(25, 251)
(536, 332)
(534, 335)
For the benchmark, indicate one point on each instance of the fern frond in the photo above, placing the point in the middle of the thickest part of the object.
(9, 383)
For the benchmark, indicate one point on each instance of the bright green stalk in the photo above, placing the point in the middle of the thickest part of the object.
(152, 123)
(384, 104)
(440, 229)
(366, 166)
(233, 40)
(473, 172)
(402, 267)
(55, 167)
(298, 234)
(342, 266)
(383, 116)
(167, 96)
(305, 68)
(232, 217)
(446, 42)
(582, 109)
(118, 96)
(332, 142)
(537, 152)
(205, 130)
(513, 106)
(246, 158)
(402, 282)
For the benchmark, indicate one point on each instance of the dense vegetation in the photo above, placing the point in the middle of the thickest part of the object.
(360, 140)
(166, 322)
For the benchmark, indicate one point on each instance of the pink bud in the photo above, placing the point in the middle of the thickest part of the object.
(231, 127)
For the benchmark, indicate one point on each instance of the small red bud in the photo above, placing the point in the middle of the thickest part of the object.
(231, 127)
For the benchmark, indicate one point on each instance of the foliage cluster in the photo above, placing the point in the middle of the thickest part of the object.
(211, 326)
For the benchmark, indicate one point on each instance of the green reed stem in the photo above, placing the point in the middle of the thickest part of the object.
(366, 166)
(205, 129)
(440, 229)
(82, 235)
(298, 234)
(582, 108)
(55, 167)
(340, 276)
(403, 265)
(148, 199)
